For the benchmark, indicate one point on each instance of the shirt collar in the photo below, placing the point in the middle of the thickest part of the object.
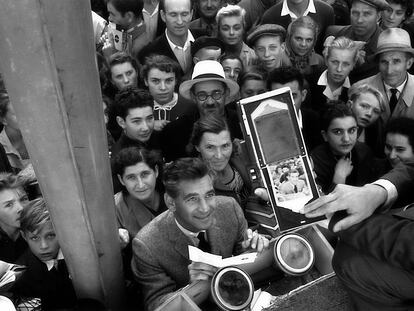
(399, 88)
(168, 106)
(53, 262)
(153, 12)
(192, 235)
(331, 94)
(286, 11)
(187, 43)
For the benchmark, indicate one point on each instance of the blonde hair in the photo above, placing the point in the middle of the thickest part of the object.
(229, 11)
(357, 89)
(344, 43)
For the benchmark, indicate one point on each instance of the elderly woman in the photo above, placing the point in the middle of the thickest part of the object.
(300, 43)
(367, 104)
(212, 141)
(231, 29)
(341, 55)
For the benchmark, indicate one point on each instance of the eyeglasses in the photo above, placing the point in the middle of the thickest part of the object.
(203, 96)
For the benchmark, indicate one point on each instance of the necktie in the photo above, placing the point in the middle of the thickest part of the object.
(393, 99)
(203, 244)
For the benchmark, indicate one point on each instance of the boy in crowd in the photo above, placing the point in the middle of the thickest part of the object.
(135, 115)
(46, 276)
(268, 43)
(161, 75)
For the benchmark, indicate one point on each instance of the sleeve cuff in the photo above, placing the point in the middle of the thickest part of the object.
(392, 193)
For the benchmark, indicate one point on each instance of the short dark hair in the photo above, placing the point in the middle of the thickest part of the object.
(337, 110)
(406, 4)
(162, 63)
(131, 98)
(231, 56)
(133, 155)
(123, 6)
(252, 73)
(34, 215)
(184, 169)
(209, 124)
(285, 75)
(403, 126)
(121, 58)
(162, 5)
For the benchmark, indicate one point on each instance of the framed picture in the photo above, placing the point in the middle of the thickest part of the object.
(273, 134)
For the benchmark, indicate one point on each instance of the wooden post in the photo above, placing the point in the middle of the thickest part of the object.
(49, 67)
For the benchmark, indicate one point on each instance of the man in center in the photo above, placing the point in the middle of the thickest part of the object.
(210, 91)
(197, 217)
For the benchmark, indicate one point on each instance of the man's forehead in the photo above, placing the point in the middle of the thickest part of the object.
(177, 5)
(363, 6)
(393, 55)
(211, 84)
(193, 186)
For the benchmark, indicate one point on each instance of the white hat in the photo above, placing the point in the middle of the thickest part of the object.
(394, 39)
(208, 70)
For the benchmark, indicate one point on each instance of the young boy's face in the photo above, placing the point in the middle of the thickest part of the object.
(138, 124)
(268, 50)
(43, 242)
(341, 135)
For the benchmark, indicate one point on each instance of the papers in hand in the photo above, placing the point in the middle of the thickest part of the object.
(9, 273)
(198, 255)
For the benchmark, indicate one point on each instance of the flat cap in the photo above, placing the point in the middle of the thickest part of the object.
(204, 42)
(380, 5)
(266, 30)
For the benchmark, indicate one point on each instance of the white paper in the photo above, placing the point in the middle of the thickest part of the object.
(261, 300)
(198, 255)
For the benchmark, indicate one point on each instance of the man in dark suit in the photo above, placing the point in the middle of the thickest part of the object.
(308, 119)
(176, 41)
(374, 258)
(284, 12)
(195, 217)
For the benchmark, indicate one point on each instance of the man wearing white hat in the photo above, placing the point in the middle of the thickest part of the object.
(395, 57)
(210, 91)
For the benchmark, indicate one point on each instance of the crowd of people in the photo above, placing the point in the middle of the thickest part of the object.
(172, 73)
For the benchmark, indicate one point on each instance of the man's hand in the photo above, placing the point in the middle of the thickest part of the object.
(255, 241)
(123, 237)
(358, 202)
(201, 271)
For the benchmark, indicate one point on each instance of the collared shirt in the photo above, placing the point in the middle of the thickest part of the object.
(53, 262)
(151, 22)
(183, 53)
(162, 112)
(286, 11)
(399, 88)
(332, 95)
(190, 234)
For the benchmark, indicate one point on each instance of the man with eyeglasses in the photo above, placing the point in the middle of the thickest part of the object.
(210, 91)
(176, 41)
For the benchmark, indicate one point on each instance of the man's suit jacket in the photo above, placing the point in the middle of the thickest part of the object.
(324, 16)
(160, 250)
(161, 46)
(388, 238)
(405, 105)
